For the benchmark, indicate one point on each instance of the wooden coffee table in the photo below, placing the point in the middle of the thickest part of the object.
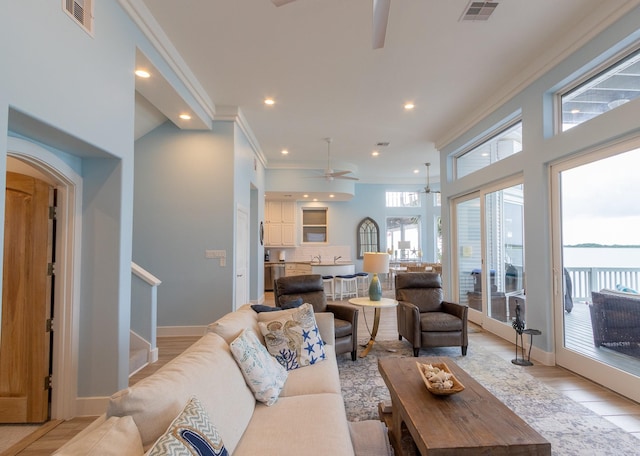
(472, 422)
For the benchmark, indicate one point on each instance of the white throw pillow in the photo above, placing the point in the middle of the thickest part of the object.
(294, 338)
(264, 375)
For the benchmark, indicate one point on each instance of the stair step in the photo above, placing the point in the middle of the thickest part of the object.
(137, 360)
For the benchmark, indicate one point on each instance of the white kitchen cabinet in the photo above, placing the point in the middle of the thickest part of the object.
(280, 226)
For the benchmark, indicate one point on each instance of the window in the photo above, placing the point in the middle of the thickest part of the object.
(368, 237)
(502, 145)
(403, 238)
(613, 87)
(314, 224)
(402, 199)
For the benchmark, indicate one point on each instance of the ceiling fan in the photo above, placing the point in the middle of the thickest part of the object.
(329, 174)
(427, 189)
(380, 19)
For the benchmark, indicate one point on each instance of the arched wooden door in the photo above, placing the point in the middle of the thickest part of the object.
(26, 302)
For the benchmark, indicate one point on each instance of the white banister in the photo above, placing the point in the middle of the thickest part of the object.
(144, 311)
(145, 275)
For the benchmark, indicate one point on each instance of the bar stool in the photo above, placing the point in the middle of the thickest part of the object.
(328, 282)
(362, 279)
(348, 285)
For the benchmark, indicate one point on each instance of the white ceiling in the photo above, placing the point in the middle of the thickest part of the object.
(315, 58)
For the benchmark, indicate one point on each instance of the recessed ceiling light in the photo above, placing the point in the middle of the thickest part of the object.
(375, 153)
(269, 101)
(284, 152)
(185, 116)
(315, 199)
(305, 196)
(332, 196)
(416, 171)
(142, 74)
(409, 106)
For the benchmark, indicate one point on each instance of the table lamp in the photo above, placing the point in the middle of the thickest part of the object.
(377, 263)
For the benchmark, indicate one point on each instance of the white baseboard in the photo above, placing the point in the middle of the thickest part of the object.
(168, 331)
(153, 355)
(91, 406)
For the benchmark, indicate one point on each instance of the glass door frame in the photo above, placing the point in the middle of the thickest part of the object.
(473, 315)
(481, 318)
(611, 377)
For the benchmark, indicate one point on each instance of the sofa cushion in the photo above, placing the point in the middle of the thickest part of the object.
(316, 378)
(207, 370)
(264, 375)
(439, 321)
(298, 425)
(190, 433)
(294, 338)
(232, 324)
(116, 436)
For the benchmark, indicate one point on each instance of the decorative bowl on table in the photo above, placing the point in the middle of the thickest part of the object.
(439, 379)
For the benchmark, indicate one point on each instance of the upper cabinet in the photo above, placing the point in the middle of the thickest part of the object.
(280, 226)
(314, 225)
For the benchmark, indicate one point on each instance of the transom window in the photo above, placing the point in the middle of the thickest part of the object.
(616, 85)
(402, 199)
(502, 145)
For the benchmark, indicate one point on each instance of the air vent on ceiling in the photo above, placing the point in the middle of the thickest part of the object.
(382, 144)
(81, 11)
(479, 11)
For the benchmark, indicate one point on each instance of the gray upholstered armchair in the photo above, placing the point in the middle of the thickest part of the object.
(311, 289)
(424, 319)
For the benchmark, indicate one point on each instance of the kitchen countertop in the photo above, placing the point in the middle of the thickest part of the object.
(340, 263)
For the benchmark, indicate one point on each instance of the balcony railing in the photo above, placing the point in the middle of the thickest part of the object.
(586, 280)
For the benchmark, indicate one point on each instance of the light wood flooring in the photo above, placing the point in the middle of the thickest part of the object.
(615, 408)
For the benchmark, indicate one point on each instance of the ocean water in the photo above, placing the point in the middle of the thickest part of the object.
(601, 257)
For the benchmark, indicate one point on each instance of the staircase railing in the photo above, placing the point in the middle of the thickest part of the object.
(144, 307)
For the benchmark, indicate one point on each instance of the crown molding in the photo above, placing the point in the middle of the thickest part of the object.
(535, 71)
(142, 17)
(234, 114)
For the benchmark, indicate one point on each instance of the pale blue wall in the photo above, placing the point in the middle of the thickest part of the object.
(183, 206)
(74, 94)
(369, 201)
(540, 148)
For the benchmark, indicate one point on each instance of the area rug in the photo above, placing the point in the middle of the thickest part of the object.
(571, 428)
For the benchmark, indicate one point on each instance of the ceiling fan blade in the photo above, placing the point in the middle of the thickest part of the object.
(380, 20)
(281, 2)
(346, 177)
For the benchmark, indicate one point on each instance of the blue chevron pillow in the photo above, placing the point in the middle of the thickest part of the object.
(190, 433)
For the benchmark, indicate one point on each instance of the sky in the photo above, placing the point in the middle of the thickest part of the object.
(601, 201)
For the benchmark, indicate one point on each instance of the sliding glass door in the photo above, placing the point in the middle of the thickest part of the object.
(504, 252)
(489, 241)
(467, 242)
(596, 229)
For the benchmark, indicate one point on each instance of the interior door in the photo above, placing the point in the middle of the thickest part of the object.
(26, 304)
(242, 257)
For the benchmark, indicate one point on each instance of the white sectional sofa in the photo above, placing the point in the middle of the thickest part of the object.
(307, 418)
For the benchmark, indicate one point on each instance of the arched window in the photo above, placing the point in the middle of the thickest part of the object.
(367, 237)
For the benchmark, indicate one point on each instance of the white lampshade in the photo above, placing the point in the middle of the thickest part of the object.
(376, 262)
(404, 245)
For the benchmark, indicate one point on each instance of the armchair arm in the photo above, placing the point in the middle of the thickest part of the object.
(454, 308)
(345, 311)
(409, 322)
